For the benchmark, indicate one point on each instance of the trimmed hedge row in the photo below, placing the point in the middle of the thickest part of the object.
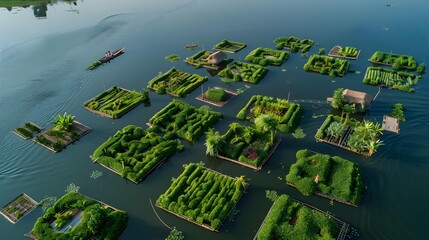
(216, 94)
(288, 114)
(133, 152)
(294, 44)
(327, 65)
(97, 219)
(267, 56)
(333, 176)
(391, 78)
(184, 120)
(176, 82)
(202, 196)
(348, 52)
(229, 46)
(240, 71)
(397, 61)
(288, 219)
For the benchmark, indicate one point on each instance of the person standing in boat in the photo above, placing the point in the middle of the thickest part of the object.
(109, 54)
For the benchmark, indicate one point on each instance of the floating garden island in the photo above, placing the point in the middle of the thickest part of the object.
(244, 145)
(133, 153)
(18, 207)
(180, 119)
(402, 81)
(229, 46)
(289, 219)
(202, 196)
(267, 56)
(327, 65)
(176, 82)
(217, 96)
(350, 134)
(397, 61)
(172, 58)
(210, 60)
(344, 52)
(75, 216)
(65, 132)
(294, 44)
(115, 102)
(287, 114)
(331, 177)
(27, 130)
(246, 72)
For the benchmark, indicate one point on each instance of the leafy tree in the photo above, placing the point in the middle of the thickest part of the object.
(214, 143)
(175, 235)
(347, 109)
(97, 216)
(338, 97)
(267, 123)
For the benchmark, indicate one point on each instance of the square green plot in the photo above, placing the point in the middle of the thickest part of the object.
(176, 83)
(327, 65)
(18, 207)
(267, 56)
(229, 46)
(241, 71)
(344, 52)
(294, 44)
(403, 81)
(202, 196)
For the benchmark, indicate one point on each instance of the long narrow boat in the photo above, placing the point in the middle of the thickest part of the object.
(105, 59)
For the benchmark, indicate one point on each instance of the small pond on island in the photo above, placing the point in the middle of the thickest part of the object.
(45, 50)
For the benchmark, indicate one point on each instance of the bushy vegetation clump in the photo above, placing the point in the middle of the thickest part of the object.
(202, 196)
(332, 176)
(294, 44)
(267, 56)
(398, 111)
(97, 219)
(288, 219)
(176, 82)
(133, 152)
(327, 65)
(288, 115)
(184, 120)
(397, 61)
(216, 94)
(403, 81)
(246, 72)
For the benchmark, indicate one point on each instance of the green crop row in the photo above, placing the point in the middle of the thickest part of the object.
(267, 56)
(397, 61)
(348, 51)
(391, 78)
(202, 196)
(240, 71)
(333, 176)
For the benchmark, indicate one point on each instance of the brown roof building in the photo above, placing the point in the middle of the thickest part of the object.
(361, 100)
(216, 57)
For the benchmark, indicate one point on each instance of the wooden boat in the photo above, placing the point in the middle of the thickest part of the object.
(114, 55)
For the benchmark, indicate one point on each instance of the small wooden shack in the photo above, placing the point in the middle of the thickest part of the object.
(216, 58)
(361, 100)
(390, 124)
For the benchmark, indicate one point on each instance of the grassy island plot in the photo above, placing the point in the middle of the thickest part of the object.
(202, 196)
(115, 102)
(229, 46)
(172, 58)
(286, 114)
(246, 72)
(75, 216)
(65, 131)
(289, 219)
(18, 208)
(267, 56)
(217, 96)
(327, 65)
(184, 120)
(22, 3)
(176, 82)
(344, 52)
(133, 153)
(244, 145)
(359, 137)
(331, 177)
(402, 81)
(397, 61)
(27, 130)
(294, 44)
(210, 60)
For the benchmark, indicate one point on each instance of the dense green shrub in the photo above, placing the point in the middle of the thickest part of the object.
(397, 61)
(324, 65)
(216, 94)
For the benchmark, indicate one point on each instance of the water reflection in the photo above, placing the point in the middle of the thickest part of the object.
(41, 8)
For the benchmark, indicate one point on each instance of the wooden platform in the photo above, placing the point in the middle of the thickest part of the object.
(23, 204)
(334, 52)
(390, 124)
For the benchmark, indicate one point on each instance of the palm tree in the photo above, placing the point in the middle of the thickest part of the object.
(372, 145)
(214, 143)
(64, 122)
(267, 123)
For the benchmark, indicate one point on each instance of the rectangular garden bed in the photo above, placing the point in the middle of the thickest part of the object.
(217, 96)
(291, 219)
(98, 221)
(56, 140)
(180, 119)
(229, 46)
(288, 114)
(246, 72)
(176, 82)
(210, 60)
(327, 65)
(402, 81)
(344, 52)
(334, 178)
(294, 44)
(267, 56)
(27, 130)
(18, 207)
(114, 102)
(202, 196)
(247, 146)
(397, 61)
(133, 153)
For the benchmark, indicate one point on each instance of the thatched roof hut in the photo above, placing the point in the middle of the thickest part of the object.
(361, 100)
(216, 57)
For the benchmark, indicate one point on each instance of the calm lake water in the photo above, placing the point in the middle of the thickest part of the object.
(42, 66)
